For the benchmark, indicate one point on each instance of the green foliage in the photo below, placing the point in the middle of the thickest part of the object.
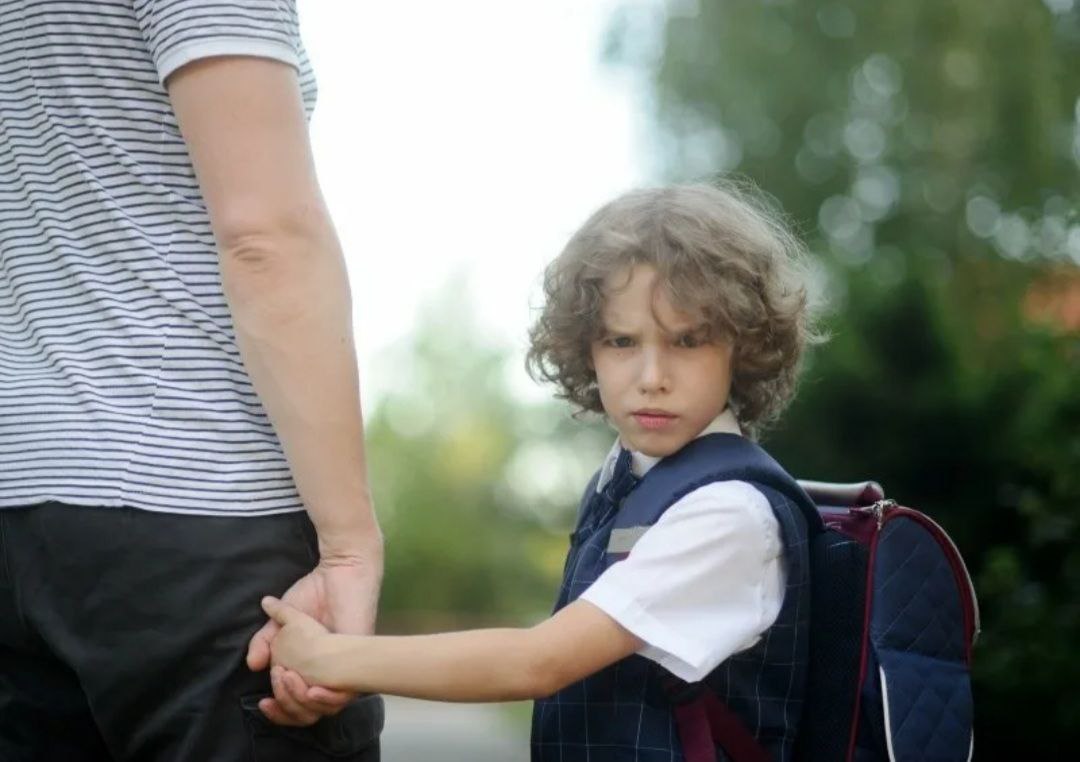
(475, 489)
(929, 153)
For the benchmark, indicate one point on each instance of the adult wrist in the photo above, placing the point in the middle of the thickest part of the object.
(357, 546)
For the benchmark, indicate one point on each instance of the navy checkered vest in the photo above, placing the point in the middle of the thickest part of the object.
(625, 711)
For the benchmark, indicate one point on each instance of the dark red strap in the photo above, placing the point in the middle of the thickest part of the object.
(707, 722)
(693, 723)
(730, 732)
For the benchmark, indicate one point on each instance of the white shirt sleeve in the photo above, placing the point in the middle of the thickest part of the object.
(701, 584)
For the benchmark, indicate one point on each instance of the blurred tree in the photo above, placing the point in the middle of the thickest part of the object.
(929, 152)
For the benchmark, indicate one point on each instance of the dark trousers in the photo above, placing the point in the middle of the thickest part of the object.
(123, 635)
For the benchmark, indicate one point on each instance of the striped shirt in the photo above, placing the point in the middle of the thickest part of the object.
(120, 379)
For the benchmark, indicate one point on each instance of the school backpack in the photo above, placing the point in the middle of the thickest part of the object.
(893, 621)
(893, 618)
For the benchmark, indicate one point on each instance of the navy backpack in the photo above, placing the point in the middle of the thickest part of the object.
(893, 621)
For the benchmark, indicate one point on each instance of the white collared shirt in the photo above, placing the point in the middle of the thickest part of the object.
(705, 581)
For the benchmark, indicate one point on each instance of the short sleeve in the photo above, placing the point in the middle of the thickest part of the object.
(178, 32)
(703, 583)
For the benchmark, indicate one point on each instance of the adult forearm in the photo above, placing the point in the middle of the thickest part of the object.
(478, 665)
(291, 307)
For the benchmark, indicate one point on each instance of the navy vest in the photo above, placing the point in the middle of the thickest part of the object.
(624, 712)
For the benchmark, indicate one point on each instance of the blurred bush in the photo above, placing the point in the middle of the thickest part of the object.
(476, 489)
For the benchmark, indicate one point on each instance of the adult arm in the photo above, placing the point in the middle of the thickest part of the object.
(285, 280)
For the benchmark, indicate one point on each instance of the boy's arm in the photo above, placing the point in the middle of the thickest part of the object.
(476, 665)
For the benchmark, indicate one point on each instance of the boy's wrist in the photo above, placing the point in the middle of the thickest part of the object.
(332, 661)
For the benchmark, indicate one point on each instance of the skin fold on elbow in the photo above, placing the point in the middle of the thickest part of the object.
(271, 283)
(267, 246)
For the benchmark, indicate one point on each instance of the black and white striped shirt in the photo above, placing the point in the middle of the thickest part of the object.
(120, 379)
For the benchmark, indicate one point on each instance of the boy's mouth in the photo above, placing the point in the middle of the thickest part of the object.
(653, 419)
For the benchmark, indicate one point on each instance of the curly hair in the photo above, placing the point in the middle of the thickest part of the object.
(720, 252)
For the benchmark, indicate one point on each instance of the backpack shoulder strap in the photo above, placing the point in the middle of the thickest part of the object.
(707, 459)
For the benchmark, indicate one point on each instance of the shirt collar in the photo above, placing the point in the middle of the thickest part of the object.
(725, 423)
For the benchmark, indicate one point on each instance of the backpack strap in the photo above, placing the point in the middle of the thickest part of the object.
(706, 722)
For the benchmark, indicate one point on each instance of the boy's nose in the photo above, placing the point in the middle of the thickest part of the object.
(653, 376)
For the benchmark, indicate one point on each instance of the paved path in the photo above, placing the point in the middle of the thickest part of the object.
(423, 731)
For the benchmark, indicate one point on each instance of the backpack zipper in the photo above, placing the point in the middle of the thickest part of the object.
(877, 510)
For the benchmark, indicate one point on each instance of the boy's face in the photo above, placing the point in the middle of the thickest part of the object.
(661, 378)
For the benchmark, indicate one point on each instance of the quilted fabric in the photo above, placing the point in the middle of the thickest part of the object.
(917, 604)
(929, 707)
(917, 635)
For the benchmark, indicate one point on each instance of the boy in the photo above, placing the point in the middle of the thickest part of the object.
(680, 314)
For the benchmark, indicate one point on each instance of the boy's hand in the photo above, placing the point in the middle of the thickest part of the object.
(297, 652)
(300, 642)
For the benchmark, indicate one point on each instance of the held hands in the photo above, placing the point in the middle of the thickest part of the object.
(300, 646)
(332, 597)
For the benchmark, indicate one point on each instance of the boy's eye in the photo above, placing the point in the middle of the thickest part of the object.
(690, 340)
(619, 342)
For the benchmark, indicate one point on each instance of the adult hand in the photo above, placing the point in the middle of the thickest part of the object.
(342, 595)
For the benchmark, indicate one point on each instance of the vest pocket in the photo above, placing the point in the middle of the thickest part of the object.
(927, 708)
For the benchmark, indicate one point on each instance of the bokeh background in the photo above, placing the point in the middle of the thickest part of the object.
(929, 153)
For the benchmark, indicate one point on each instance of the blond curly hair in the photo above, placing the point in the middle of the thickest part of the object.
(720, 252)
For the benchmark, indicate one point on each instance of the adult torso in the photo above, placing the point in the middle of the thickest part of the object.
(120, 379)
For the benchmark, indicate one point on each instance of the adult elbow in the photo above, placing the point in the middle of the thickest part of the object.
(262, 281)
(274, 272)
(260, 237)
(251, 253)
